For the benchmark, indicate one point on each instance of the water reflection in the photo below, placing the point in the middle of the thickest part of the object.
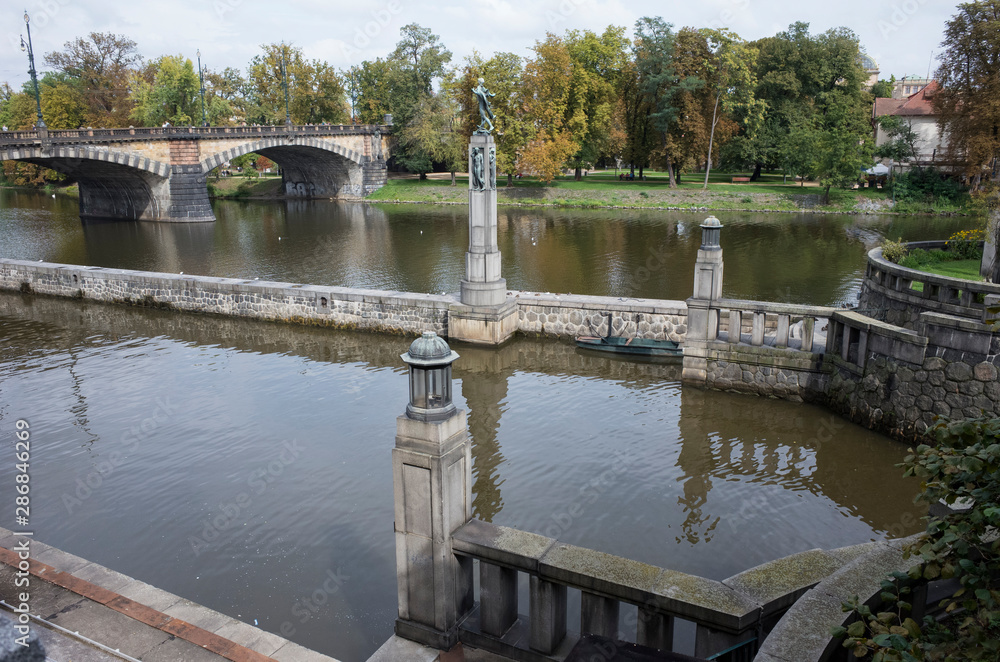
(797, 258)
(609, 454)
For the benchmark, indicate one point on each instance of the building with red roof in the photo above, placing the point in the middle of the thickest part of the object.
(918, 109)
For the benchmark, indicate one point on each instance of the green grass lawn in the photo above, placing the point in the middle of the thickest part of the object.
(967, 269)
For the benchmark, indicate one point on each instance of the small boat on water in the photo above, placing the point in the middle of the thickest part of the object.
(634, 346)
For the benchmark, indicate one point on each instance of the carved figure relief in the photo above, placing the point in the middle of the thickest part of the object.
(478, 175)
(493, 168)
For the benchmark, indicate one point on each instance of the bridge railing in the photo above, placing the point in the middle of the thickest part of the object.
(146, 133)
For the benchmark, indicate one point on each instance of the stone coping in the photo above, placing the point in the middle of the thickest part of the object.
(774, 307)
(169, 613)
(803, 633)
(858, 321)
(588, 302)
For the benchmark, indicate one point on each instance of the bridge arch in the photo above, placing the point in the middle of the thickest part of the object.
(113, 184)
(311, 167)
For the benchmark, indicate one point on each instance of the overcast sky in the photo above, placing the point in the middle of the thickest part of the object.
(898, 34)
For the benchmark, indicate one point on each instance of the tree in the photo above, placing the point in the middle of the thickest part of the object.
(969, 99)
(969, 107)
(431, 137)
(375, 91)
(315, 92)
(663, 85)
(224, 100)
(103, 64)
(547, 85)
(417, 62)
(733, 81)
(597, 66)
(167, 92)
(62, 102)
(883, 89)
(901, 145)
(352, 88)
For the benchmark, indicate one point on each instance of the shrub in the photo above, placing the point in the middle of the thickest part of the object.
(894, 251)
(910, 262)
(922, 183)
(965, 244)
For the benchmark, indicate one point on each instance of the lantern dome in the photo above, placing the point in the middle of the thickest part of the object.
(429, 349)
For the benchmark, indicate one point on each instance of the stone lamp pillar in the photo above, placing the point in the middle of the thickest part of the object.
(703, 318)
(432, 484)
(484, 315)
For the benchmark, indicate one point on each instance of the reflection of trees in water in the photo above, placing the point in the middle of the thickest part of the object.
(786, 445)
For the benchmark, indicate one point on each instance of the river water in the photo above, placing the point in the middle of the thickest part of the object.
(243, 465)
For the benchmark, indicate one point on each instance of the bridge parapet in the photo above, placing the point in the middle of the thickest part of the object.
(180, 132)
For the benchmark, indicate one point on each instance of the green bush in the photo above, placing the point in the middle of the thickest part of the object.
(911, 262)
(894, 251)
(923, 183)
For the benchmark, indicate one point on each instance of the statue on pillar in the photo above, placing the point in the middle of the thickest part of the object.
(485, 112)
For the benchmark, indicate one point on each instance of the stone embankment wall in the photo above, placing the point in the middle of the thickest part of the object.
(901, 393)
(287, 302)
(572, 315)
(372, 310)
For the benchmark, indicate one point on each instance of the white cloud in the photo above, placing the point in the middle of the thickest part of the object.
(230, 32)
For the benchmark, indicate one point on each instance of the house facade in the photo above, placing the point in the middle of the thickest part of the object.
(918, 110)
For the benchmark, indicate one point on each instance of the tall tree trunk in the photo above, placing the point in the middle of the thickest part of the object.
(423, 176)
(711, 139)
(510, 179)
(670, 173)
(989, 268)
(453, 178)
(640, 172)
(826, 198)
(578, 173)
(756, 172)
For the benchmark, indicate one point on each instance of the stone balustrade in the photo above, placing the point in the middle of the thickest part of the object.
(153, 133)
(778, 325)
(900, 295)
(730, 616)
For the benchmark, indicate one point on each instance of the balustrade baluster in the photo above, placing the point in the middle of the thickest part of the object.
(497, 598)
(781, 333)
(757, 333)
(655, 630)
(808, 329)
(547, 606)
(599, 615)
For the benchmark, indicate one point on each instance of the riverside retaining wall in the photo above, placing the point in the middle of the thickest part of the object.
(539, 313)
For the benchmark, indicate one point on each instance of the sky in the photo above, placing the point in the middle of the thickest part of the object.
(899, 34)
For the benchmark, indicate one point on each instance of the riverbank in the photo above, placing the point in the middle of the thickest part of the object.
(606, 191)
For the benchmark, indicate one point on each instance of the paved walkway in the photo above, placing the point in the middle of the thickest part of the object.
(131, 619)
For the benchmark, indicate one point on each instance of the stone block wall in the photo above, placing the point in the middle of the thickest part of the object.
(778, 373)
(306, 304)
(571, 315)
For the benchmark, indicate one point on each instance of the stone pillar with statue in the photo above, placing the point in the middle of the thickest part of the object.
(484, 314)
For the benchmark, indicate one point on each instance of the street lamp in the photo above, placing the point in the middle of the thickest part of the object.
(31, 60)
(284, 77)
(201, 80)
(429, 360)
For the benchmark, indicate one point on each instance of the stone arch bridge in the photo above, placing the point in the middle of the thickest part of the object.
(159, 174)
